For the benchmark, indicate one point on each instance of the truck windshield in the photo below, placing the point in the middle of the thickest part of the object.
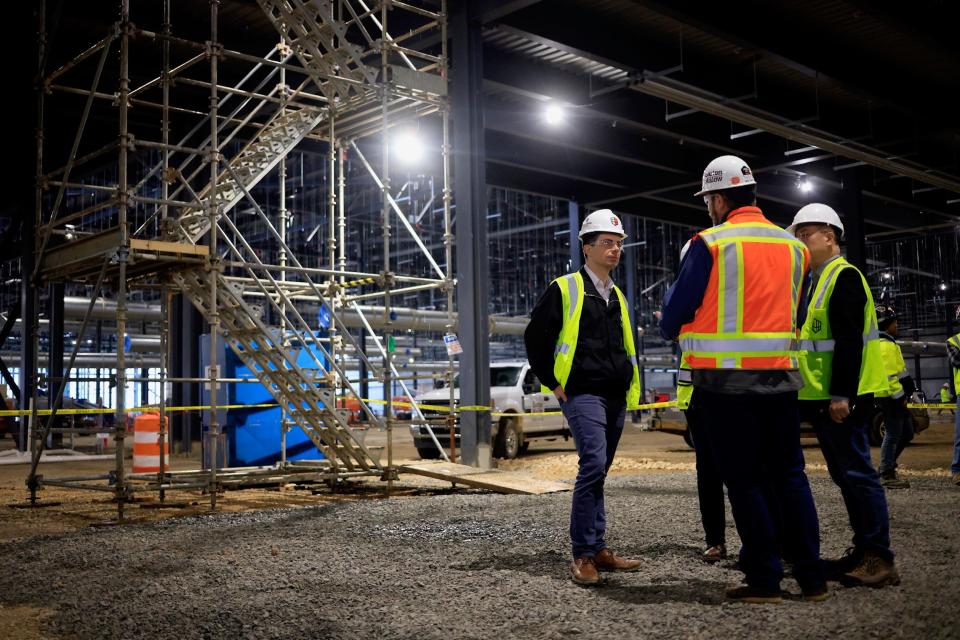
(499, 377)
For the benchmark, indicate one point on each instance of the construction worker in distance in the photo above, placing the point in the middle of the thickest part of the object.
(945, 398)
(734, 308)
(842, 367)
(709, 482)
(893, 400)
(580, 345)
(953, 353)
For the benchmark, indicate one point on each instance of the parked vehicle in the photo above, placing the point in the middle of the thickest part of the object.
(516, 396)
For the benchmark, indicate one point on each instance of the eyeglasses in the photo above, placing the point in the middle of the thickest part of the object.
(607, 243)
(809, 233)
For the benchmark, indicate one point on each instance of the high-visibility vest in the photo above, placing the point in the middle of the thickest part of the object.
(944, 395)
(955, 341)
(684, 387)
(747, 319)
(572, 292)
(894, 367)
(817, 343)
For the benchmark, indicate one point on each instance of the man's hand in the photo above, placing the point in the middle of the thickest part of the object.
(560, 394)
(839, 410)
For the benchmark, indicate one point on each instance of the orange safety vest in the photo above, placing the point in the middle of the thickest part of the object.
(748, 317)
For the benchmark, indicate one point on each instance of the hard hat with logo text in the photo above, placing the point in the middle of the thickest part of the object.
(725, 172)
(602, 221)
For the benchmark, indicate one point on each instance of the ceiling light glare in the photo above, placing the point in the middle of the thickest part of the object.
(943, 286)
(805, 186)
(408, 147)
(553, 115)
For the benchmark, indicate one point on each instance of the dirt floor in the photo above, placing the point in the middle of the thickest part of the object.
(641, 453)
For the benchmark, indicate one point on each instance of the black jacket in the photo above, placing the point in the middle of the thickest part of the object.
(846, 322)
(600, 363)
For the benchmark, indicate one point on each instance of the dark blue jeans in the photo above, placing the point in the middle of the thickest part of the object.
(899, 432)
(756, 444)
(846, 448)
(596, 424)
(709, 481)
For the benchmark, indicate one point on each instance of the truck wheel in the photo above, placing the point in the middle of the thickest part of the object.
(877, 430)
(431, 453)
(507, 444)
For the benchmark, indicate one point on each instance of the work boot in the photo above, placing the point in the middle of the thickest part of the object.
(835, 568)
(873, 571)
(816, 595)
(584, 571)
(607, 560)
(754, 595)
(890, 480)
(716, 553)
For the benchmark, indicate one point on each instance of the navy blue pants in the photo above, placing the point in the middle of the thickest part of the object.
(846, 448)
(709, 482)
(899, 432)
(596, 424)
(756, 444)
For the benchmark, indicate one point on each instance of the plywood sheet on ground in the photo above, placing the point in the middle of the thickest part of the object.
(492, 479)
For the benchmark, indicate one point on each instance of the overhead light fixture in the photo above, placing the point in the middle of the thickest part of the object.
(805, 186)
(553, 114)
(943, 286)
(407, 147)
(887, 276)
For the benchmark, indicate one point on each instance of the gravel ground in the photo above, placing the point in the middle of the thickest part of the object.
(464, 565)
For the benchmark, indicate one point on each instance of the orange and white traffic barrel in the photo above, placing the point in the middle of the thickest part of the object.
(146, 444)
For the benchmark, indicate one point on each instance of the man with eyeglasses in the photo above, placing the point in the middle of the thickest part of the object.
(580, 345)
(841, 359)
(734, 309)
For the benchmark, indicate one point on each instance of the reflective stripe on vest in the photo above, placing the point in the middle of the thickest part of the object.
(754, 258)
(684, 387)
(817, 343)
(572, 294)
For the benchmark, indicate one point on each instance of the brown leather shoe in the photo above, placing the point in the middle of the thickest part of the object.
(584, 571)
(607, 560)
(716, 553)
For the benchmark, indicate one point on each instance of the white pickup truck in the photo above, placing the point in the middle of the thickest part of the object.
(514, 391)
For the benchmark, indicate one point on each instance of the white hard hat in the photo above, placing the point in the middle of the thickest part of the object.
(602, 221)
(725, 172)
(686, 247)
(813, 213)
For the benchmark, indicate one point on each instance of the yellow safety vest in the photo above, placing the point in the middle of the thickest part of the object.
(817, 343)
(684, 386)
(572, 292)
(894, 367)
(955, 341)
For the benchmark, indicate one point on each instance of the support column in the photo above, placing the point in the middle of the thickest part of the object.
(471, 201)
(851, 211)
(576, 256)
(55, 351)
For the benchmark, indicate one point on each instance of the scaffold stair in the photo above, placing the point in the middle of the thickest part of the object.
(275, 140)
(302, 392)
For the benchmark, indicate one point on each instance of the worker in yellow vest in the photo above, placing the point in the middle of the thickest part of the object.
(898, 431)
(709, 482)
(953, 353)
(734, 309)
(945, 398)
(580, 345)
(842, 367)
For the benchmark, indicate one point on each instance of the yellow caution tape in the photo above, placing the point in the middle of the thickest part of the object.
(431, 407)
(932, 405)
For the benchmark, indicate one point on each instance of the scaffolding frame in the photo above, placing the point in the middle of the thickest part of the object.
(353, 80)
